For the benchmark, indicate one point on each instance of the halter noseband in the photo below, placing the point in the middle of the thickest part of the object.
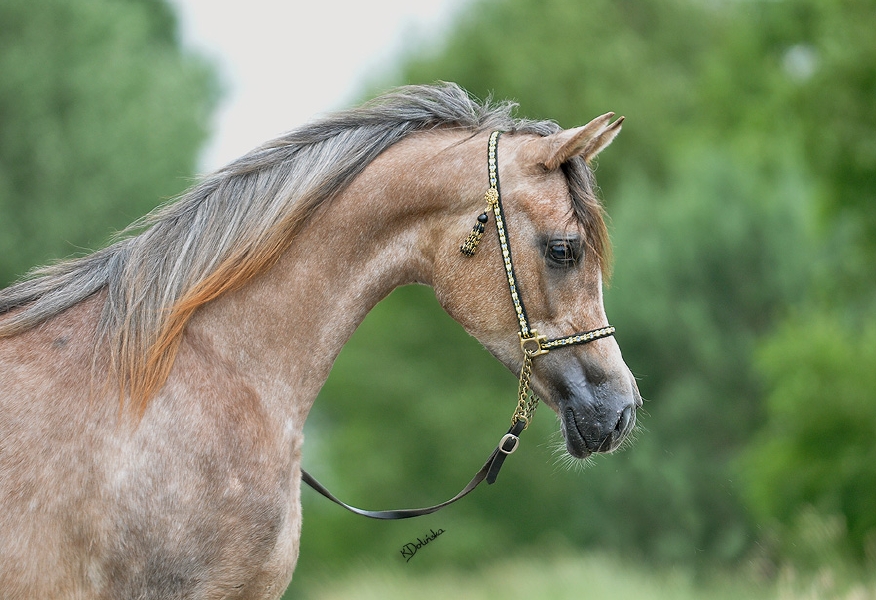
(531, 343)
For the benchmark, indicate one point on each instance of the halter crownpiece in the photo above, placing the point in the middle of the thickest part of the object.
(531, 344)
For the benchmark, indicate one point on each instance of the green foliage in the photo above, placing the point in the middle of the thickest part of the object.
(816, 446)
(696, 283)
(835, 104)
(101, 117)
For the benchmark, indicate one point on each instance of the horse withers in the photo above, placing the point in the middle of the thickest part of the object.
(153, 393)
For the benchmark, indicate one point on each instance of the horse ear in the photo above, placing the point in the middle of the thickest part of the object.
(586, 141)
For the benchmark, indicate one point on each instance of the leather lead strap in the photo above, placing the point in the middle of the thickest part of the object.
(489, 471)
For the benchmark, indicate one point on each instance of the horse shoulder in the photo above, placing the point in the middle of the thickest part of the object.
(207, 484)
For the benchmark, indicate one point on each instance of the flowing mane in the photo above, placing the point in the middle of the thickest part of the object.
(238, 221)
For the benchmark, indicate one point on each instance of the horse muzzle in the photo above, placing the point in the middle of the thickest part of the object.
(597, 418)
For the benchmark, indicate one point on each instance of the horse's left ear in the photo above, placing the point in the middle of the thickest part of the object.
(586, 141)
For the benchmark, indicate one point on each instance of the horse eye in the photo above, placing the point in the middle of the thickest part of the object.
(562, 253)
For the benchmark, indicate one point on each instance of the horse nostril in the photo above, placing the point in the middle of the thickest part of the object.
(624, 421)
(621, 429)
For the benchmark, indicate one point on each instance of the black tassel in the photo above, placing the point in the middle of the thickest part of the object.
(470, 245)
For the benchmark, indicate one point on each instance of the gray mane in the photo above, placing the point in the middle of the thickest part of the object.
(239, 209)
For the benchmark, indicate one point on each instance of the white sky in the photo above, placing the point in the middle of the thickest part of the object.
(282, 62)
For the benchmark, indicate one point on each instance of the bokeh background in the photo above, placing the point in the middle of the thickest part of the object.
(742, 196)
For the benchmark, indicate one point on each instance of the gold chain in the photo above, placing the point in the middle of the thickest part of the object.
(527, 401)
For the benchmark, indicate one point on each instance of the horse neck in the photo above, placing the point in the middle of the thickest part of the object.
(284, 330)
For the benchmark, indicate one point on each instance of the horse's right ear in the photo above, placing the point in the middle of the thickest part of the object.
(586, 141)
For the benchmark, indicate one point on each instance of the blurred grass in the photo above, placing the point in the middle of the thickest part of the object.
(585, 575)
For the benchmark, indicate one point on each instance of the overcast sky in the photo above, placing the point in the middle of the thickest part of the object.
(283, 62)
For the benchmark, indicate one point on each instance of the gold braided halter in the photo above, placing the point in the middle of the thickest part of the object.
(531, 343)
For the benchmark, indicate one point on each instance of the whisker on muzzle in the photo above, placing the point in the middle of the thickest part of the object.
(564, 461)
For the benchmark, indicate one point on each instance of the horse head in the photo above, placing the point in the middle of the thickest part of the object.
(549, 215)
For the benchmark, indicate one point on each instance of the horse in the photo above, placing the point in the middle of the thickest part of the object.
(153, 393)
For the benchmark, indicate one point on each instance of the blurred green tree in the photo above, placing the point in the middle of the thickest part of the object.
(811, 462)
(816, 450)
(101, 116)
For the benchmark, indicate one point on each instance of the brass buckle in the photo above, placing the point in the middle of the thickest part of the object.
(532, 345)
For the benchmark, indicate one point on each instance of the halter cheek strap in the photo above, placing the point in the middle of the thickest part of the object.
(531, 344)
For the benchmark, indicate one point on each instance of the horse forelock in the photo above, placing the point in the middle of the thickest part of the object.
(237, 222)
